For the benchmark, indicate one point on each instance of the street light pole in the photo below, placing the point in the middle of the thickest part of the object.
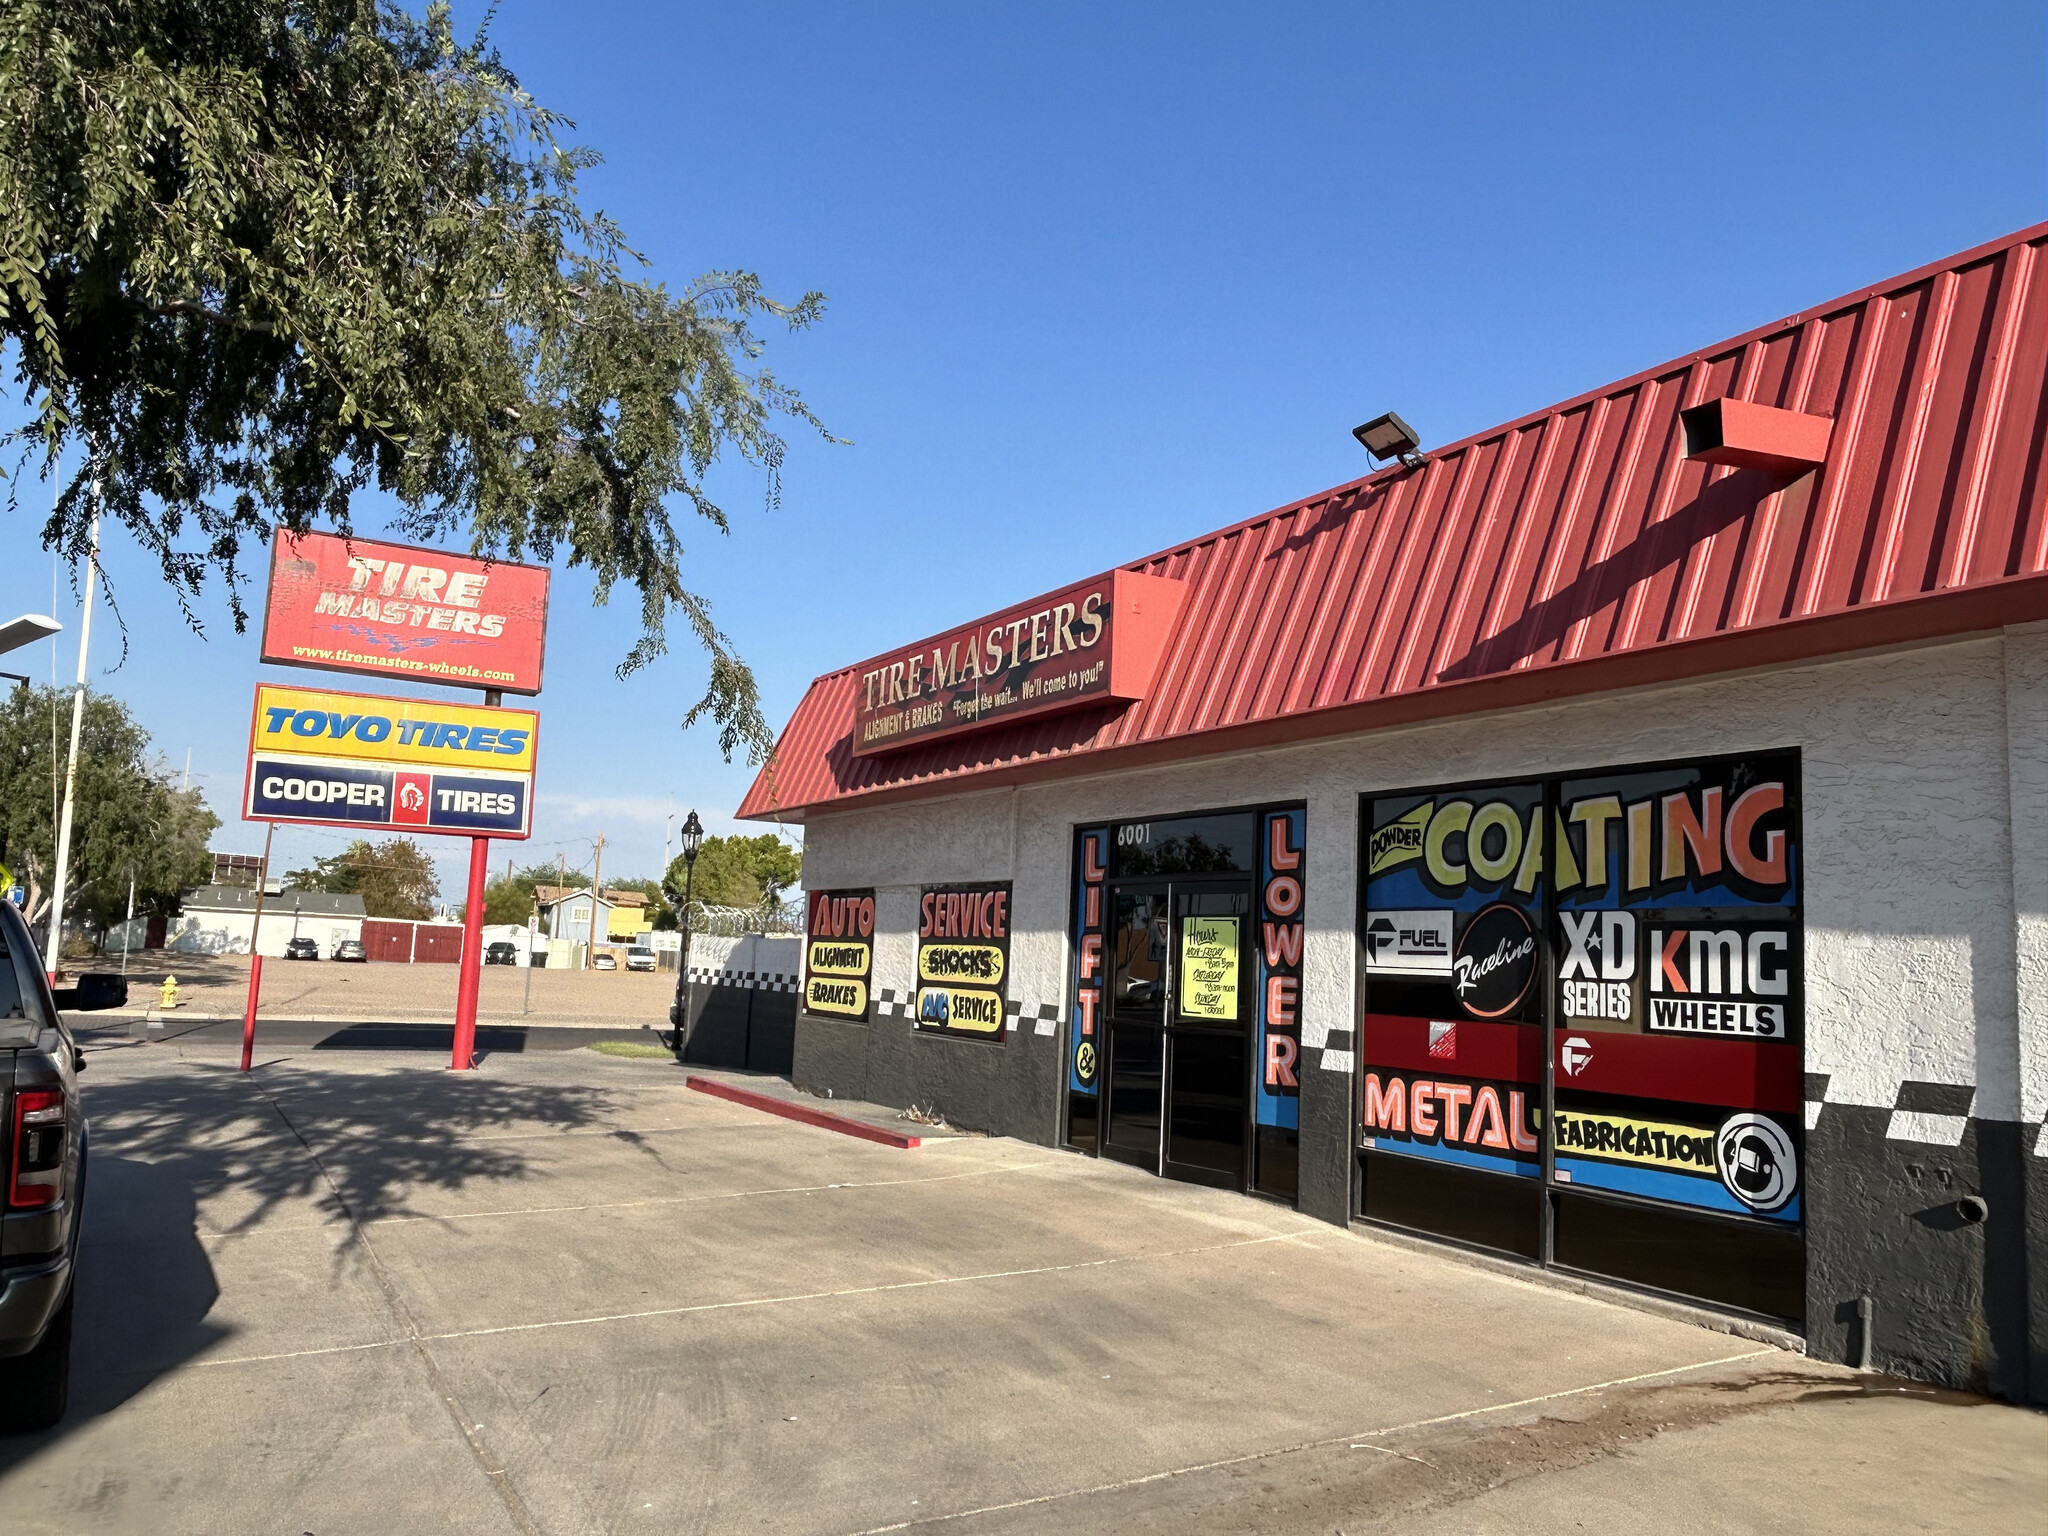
(679, 1011)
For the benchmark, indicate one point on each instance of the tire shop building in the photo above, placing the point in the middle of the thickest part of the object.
(1616, 842)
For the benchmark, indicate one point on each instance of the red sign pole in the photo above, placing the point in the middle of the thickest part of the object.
(472, 957)
(256, 955)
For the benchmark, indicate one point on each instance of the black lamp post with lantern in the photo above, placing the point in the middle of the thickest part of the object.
(679, 1010)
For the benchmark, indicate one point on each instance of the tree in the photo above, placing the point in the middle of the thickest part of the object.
(259, 256)
(395, 878)
(738, 871)
(510, 898)
(128, 819)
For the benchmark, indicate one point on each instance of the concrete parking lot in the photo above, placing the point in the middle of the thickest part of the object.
(353, 1292)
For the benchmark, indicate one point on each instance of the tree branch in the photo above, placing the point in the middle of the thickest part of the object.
(199, 311)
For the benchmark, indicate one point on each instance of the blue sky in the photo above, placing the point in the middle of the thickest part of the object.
(1105, 277)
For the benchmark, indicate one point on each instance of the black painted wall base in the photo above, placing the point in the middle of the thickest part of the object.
(744, 1028)
(1006, 1089)
(1956, 1285)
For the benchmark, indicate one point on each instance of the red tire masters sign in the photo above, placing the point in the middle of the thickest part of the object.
(390, 610)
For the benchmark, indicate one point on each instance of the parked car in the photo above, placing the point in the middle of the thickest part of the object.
(42, 1174)
(604, 960)
(501, 952)
(350, 949)
(302, 949)
(640, 957)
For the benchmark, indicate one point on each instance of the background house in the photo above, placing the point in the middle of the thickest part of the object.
(572, 913)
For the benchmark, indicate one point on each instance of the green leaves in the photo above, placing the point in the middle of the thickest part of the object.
(129, 820)
(395, 878)
(260, 255)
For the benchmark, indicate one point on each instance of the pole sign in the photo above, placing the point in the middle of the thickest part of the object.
(391, 610)
(361, 761)
(1095, 643)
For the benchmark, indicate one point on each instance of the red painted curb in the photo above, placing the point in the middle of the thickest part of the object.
(822, 1118)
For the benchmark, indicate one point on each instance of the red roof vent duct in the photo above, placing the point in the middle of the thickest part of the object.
(1746, 436)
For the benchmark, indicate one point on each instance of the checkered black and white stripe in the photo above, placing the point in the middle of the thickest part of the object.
(1932, 1114)
(1044, 1018)
(764, 981)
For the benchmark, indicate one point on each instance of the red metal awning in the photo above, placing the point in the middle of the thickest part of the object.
(1578, 549)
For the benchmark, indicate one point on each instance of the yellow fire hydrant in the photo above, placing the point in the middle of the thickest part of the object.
(168, 997)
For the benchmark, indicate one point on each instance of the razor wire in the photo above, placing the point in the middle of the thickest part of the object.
(770, 917)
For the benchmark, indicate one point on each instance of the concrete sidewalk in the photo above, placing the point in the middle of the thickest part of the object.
(566, 1294)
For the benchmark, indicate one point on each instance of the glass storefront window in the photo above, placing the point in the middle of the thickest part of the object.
(1611, 964)
(1187, 845)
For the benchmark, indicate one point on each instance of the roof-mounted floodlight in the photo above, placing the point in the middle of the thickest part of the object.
(26, 630)
(1389, 437)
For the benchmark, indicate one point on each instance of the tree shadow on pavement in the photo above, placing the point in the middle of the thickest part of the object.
(202, 1153)
(144, 1287)
(285, 1135)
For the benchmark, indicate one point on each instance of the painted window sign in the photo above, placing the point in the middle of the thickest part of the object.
(1494, 964)
(1411, 943)
(1282, 843)
(1208, 969)
(1454, 898)
(1463, 1091)
(1084, 1062)
(839, 953)
(390, 610)
(963, 958)
(1680, 985)
(1710, 835)
(1457, 1120)
(363, 761)
(1673, 971)
(1746, 1164)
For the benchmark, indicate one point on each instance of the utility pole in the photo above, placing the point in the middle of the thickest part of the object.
(596, 901)
(92, 565)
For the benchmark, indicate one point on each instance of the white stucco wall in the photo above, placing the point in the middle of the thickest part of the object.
(1924, 770)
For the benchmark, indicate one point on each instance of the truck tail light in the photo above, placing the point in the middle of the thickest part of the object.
(38, 1147)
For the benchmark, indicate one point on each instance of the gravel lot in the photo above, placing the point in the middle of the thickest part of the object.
(218, 986)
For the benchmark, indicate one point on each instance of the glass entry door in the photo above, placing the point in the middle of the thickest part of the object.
(1180, 1025)
(1139, 944)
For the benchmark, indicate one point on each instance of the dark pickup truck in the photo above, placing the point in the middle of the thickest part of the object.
(42, 1174)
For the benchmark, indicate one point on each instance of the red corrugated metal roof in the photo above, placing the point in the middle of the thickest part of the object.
(1577, 549)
